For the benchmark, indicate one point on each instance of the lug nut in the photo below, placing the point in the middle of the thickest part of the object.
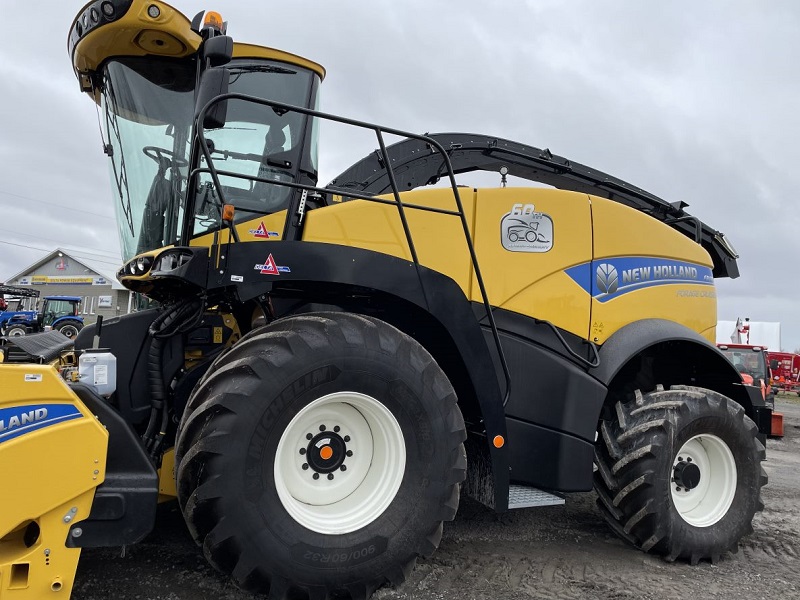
(309, 436)
(322, 427)
(343, 468)
(315, 476)
(305, 466)
(349, 453)
(688, 459)
(330, 476)
(337, 429)
(347, 438)
(302, 450)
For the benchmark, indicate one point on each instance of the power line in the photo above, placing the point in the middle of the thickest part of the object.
(61, 206)
(105, 257)
(24, 246)
(40, 237)
(111, 260)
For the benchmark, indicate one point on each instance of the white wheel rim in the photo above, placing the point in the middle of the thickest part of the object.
(16, 332)
(709, 501)
(373, 472)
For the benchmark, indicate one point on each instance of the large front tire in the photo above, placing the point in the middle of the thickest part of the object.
(679, 473)
(319, 457)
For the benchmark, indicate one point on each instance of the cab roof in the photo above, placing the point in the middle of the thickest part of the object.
(104, 29)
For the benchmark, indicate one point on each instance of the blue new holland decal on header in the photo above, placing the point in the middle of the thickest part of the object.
(19, 420)
(610, 278)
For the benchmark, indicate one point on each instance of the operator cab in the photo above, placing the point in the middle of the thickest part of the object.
(148, 84)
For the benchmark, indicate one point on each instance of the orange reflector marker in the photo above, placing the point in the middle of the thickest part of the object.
(498, 441)
(228, 212)
(326, 452)
(213, 19)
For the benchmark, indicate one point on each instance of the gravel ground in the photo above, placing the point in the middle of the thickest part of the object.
(553, 552)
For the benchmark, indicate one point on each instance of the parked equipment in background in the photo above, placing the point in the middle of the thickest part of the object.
(785, 371)
(60, 313)
(328, 367)
(17, 296)
(753, 364)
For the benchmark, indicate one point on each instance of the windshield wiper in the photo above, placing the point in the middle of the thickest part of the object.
(261, 69)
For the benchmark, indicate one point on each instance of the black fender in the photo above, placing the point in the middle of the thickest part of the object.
(656, 351)
(68, 318)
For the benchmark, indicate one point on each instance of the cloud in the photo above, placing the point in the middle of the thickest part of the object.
(693, 103)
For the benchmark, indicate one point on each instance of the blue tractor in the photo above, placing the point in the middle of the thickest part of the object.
(60, 313)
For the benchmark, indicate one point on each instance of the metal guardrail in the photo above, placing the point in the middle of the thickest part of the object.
(380, 132)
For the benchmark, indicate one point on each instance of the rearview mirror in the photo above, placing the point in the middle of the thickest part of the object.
(218, 50)
(214, 83)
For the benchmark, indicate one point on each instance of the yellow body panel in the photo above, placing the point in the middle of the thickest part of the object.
(533, 283)
(166, 477)
(517, 279)
(622, 231)
(248, 231)
(438, 239)
(548, 275)
(50, 475)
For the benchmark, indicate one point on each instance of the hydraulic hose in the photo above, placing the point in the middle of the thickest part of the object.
(175, 319)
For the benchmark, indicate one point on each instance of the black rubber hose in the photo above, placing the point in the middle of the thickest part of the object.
(168, 323)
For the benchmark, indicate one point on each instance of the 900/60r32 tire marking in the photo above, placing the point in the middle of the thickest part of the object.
(323, 390)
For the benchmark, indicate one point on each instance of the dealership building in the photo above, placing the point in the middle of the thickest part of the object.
(77, 273)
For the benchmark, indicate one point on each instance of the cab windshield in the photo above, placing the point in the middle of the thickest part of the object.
(148, 107)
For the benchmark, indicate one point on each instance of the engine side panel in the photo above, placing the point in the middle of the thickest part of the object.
(525, 239)
(643, 269)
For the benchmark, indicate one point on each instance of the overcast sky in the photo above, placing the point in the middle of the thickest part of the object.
(693, 101)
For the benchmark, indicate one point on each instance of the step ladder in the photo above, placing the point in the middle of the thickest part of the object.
(521, 496)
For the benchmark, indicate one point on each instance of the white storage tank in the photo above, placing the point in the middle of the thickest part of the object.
(98, 367)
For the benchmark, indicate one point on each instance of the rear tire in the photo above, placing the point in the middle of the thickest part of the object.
(70, 328)
(679, 473)
(245, 465)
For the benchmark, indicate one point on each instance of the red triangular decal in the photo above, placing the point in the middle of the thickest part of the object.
(270, 268)
(261, 231)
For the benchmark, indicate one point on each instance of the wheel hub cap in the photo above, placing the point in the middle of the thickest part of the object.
(687, 475)
(326, 452)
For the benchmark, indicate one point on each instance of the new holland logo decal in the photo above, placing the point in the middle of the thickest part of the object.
(17, 421)
(261, 232)
(271, 268)
(607, 278)
(614, 277)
